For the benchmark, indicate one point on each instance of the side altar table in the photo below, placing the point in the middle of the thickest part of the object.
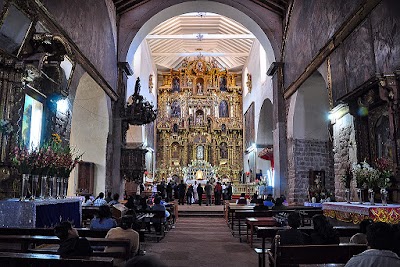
(40, 213)
(355, 212)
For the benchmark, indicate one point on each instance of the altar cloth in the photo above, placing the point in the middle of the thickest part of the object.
(355, 212)
(40, 213)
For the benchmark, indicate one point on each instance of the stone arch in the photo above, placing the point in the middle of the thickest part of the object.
(133, 31)
(264, 139)
(90, 126)
(309, 144)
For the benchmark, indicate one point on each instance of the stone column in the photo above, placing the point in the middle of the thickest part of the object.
(279, 131)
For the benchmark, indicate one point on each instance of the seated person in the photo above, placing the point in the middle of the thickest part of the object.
(361, 237)
(242, 199)
(159, 207)
(71, 244)
(114, 200)
(254, 198)
(270, 202)
(103, 221)
(278, 204)
(292, 236)
(124, 231)
(99, 200)
(87, 201)
(323, 234)
(381, 241)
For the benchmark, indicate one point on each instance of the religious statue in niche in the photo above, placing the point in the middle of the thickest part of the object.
(175, 109)
(175, 85)
(382, 138)
(222, 84)
(200, 153)
(223, 109)
(175, 128)
(175, 151)
(223, 128)
(249, 83)
(199, 89)
(224, 151)
(199, 66)
(189, 82)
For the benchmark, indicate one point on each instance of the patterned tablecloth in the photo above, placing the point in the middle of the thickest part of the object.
(40, 213)
(355, 212)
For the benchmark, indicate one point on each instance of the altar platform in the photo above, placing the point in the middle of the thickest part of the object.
(355, 212)
(40, 213)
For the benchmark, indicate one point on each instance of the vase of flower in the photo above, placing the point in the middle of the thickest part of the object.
(51, 187)
(24, 186)
(371, 196)
(34, 186)
(59, 187)
(43, 187)
(384, 194)
(65, 187)
(360, 195)
(347, 194)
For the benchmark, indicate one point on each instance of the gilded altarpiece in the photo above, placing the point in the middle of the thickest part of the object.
(199, 120)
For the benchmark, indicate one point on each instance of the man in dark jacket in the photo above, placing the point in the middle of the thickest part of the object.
(182, 191)
(200, 192)
(71, 244)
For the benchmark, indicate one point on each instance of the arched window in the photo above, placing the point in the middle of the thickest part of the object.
(223, 109)
(175, 109)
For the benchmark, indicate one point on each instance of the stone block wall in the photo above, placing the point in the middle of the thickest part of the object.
(304, 155)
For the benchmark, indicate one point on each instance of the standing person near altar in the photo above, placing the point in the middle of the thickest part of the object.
(169, 192)
(181, 192)
(189, 195)
(70, 242)
(195, 195)
(200, 192)
(99, 200)
(229, 191)
(218, 193)
(208, 189)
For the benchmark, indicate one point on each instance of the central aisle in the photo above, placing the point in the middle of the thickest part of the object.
(202, 241)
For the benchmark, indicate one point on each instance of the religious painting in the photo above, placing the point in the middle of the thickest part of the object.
(223, 150)
(223, 109)
(222, 83)
(32, 123)
(175, 85)
(223, 128)
(249, 135)
(199, 117)
(175, 109)
(175, 151)
(149, 133)
(383, 145)
(175, 128)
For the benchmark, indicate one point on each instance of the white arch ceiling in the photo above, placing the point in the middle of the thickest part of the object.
(202, 6)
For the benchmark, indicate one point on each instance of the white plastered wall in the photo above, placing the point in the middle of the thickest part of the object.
(256, 65)
(89, 130)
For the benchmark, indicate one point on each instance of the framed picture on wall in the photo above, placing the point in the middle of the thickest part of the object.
(249, 133)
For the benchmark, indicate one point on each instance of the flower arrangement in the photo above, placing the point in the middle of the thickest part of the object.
(53, 158)
(365, 175)
(5, 127)
(385, 172)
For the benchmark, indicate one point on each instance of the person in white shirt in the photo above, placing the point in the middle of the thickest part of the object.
(195, 195)
(87, 201)
(100, 201)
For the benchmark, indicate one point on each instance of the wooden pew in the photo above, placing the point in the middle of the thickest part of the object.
(14, 259)
(83, 232)
(27, 241)
(312, 254)
(270, 232)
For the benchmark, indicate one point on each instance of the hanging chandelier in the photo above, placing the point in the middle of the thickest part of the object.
(138, 110)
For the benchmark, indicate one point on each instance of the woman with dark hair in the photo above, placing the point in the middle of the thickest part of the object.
(323, 234)
(103, 221)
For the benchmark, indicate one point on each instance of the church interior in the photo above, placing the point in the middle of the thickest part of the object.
(294, 99)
